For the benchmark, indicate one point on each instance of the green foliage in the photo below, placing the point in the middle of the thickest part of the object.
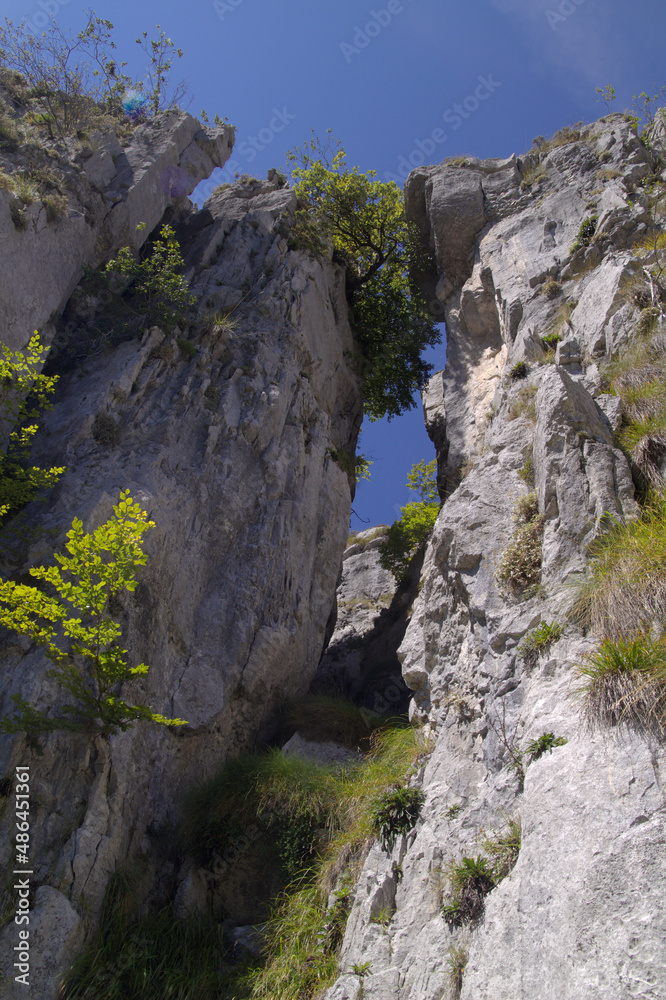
(187, 348)
(545, 743)
(423, 480)
(471, 879)
(526, 472)
(304, 933)
(88, 663)
(363, 220)
(470, 882)
(551, 340)
(106, 430)
(25, 392)
(456, 963)
(163, 294)
(396, 813)
(534, 175)
(519, 370)
(541, 636)
(624, 680)
(503, 846)
(152, 956)
(624, 591)
(520, 566)
(161, 53)
(416, 521)
(551, 289)
(606, 94)
(357, 466)
(585, 233)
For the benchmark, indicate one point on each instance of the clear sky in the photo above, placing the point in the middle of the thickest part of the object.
(385, 76)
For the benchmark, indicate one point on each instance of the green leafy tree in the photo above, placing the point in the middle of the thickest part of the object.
(25, 392)
(75, 630)
(416, 521)
(161, 53)
(163, 294)
(363, 220)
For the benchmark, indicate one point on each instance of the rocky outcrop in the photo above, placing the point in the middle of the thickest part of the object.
(226, 441)
(581, 914)
(372, 612)
(110, 189)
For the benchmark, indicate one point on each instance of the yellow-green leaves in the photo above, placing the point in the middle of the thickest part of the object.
(23, 394)
(74, 629)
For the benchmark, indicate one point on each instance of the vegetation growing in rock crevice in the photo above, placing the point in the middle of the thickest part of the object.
(267, 792)
(415, 524)
(75, 631)
(520, 566)
(363, 220)
(25, 394)
(65, 84)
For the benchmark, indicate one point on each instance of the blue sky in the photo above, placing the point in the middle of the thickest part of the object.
(386, 78)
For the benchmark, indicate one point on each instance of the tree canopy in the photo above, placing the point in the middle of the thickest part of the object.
(363, 220)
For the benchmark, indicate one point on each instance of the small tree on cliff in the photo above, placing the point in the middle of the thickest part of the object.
(363, 220)
(75, 630)
(415, 523)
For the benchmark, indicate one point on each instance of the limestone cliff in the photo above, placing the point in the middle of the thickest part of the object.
(227, 442)
(581, 915)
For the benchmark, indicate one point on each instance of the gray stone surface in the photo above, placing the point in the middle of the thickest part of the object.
(56, 933)
(229, 452)
(582, 914)
(109, 193)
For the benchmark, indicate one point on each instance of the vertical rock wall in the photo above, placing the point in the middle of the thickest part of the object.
(582, 914)
(227, 444)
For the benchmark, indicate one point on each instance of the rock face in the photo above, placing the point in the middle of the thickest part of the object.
(110, 190)
(227, 444)
(581, 915)
(361, 660)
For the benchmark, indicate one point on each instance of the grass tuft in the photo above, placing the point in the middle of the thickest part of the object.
(624, 592)
(624, 680)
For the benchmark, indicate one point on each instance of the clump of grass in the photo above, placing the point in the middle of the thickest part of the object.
(543, 744)
(539, 638)
(470, 881)
(456, 963)
(106, 430)
(523, 403)
(551, 340)
(396, 812)
(503, 848)
(638, 377)
(154, 956)
(551, 288)
(608, 174)
(526, 472)
(186, 348)
(519, 370)
(624, 680)
(585, 233)
(534, 175)
(55, 206)
(520, 566)
(624, 592)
